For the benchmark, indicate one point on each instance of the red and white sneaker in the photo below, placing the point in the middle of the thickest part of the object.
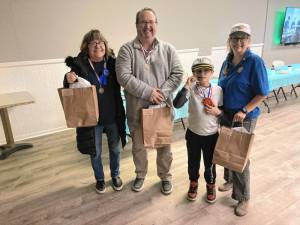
(192, 193)
(210, 193)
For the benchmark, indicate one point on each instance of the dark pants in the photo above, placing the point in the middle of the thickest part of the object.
(195, 145)
(240, 181)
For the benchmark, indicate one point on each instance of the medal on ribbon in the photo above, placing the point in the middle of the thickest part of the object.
(103, 78)
(207, 102)
(101, 90)
(206, 98)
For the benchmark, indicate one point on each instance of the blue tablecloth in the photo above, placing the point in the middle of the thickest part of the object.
(283, 78)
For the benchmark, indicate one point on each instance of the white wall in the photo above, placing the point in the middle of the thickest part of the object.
(44, 29)
(41, 79)
(51, 29)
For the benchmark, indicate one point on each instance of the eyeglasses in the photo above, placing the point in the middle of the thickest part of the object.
(236, 39)
(199, 72)
(95, 43)
(151, 22)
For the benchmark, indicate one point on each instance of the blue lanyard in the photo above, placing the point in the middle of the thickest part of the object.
(103, 78)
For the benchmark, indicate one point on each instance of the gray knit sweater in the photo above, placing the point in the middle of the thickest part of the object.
(139, 79)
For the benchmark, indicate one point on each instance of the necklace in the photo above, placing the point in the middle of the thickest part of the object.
(102, 79)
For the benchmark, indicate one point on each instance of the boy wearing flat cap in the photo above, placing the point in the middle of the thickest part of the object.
(202, 133)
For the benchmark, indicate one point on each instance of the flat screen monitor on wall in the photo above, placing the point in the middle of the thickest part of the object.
(291, 26)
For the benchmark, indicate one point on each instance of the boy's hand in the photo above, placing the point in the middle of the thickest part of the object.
(213, 110)
(189, 82)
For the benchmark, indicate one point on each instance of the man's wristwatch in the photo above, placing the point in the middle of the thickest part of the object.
(244, 110)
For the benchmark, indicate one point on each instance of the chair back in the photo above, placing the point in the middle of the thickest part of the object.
(276, 63)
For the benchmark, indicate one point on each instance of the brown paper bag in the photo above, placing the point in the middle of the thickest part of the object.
(233, 149)
(80, 106)
(157, 127)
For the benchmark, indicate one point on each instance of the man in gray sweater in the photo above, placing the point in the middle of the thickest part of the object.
(149, 70)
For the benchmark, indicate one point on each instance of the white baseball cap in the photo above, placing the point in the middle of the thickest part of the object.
(241, 27)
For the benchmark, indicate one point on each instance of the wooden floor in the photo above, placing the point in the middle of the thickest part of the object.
(53, 184)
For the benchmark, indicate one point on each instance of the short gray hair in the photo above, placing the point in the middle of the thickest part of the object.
(143, 10)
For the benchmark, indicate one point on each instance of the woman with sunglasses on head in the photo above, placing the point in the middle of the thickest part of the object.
(96, 64)
(244, 81)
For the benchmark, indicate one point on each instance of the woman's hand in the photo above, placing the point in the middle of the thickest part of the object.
(189, 82)
(239, 117)
(71, 77)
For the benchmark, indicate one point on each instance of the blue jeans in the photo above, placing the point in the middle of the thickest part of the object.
(113, 140)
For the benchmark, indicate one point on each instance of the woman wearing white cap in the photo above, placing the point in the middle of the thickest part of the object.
(244, 81)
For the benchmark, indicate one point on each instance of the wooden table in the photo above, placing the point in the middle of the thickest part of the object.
(6, 101)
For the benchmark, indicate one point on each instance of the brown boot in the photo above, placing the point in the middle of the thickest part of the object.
(225, 187)
(242, 208)
(210, 193)
(192, 193)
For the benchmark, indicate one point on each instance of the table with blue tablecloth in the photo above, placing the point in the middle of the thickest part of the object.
(284, 76)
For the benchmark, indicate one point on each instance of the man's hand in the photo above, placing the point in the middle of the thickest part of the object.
(156, 96)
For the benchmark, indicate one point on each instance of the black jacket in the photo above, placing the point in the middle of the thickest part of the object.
(85, 136)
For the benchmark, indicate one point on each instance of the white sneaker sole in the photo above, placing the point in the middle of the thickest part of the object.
(137, 189)
(100, 192)
(117, 188)
(211, 202)
(166, 192)
(191, 199)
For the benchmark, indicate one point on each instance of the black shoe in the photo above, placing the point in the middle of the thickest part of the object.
(138, 184)
(100, 187)
(117, 183)
(166, 187)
